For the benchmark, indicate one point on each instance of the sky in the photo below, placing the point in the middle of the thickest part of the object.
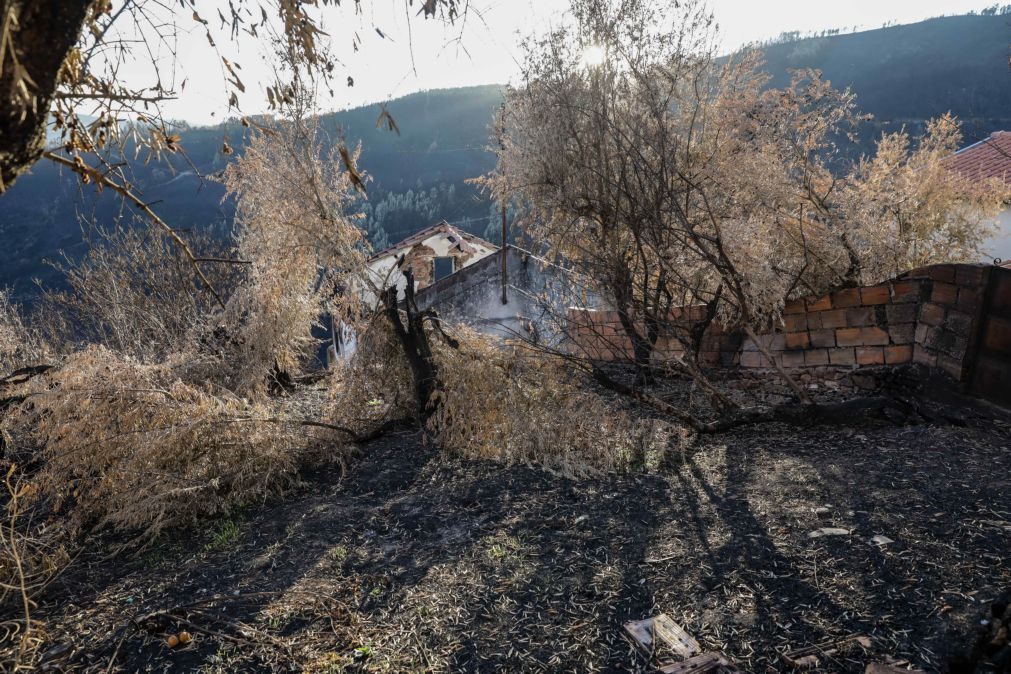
(418, 55)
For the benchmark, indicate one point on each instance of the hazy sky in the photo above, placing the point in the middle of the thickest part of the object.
(486, 51)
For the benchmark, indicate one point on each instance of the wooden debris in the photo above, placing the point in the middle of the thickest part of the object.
(879, 668)
(829, 531)
(661, 630)
(707, 662)
(807, 657)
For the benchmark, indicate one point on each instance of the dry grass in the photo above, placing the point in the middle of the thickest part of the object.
(134, 292)
(517, 405)
(133, 447)
(32, 554)
(375, 386)
(19, 344)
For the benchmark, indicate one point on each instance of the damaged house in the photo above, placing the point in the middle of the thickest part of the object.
(431, 254)
(507, 292)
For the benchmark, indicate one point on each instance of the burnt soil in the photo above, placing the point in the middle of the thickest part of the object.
(416, 560)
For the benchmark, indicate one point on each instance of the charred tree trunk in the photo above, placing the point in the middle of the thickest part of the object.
(697, 330)
(642, 350)
(414, 341)
(35, 38)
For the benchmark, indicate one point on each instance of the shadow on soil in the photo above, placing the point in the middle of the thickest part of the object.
(419, 561)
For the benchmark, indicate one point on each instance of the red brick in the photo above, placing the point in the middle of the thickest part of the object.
(905, 291)
(933, 338)
(870, 355)
(710, 357)
(816, 357)
(819, 304)
(730, 343)
(968, 298)
(895, 355)
(797, 340)
(792, 359)
(795, 307)
(932, 314)
(846, 298)
(795, 322)
(833, 319)
(918, 273)
(921, 355)
(969, 275)
(710, 343)
(1001, 298)
(753, 359)
(848, 337)
(814, 320)
(901, 313)
(998, 335)
(950, 366)
(921, 333)
(942, 272)
(958, 323)
(944, 293)
(875, 295)
(824, 339)
(842, 356)
(860, 316)
(873, 337)
(696, 312)
(904, 333)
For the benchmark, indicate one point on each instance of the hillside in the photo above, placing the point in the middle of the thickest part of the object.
(417, 178)
(902, 75)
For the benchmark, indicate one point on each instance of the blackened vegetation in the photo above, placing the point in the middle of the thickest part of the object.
(19, 376)
(439, 563)
(991, 649)
(905, 394)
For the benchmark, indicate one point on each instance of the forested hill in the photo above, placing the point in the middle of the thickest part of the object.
(902, 75)
(417, 178)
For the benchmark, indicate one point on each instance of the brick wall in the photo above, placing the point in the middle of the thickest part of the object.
(927, 315)
(991, 375)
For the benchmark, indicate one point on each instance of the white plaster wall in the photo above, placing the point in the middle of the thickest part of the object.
(380, 268)
(999, 246)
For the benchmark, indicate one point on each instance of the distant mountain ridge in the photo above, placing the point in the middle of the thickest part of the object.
(902, 75)
(907, 74)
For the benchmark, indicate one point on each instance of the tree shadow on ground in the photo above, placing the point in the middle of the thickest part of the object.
(422, 561)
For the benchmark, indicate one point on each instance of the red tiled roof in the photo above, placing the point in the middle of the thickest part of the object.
(418, 237)
(989, 158)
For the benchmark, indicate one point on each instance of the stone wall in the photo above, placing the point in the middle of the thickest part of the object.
(928, 316)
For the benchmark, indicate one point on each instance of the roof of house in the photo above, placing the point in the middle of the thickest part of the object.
(989, 158)
(443, 228)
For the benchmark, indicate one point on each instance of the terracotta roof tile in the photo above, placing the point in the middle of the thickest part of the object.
(989, 158)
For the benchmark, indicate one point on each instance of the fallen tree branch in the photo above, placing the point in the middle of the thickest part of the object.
(22, 375)
(794, 386)
(358, 439)
(885, 407)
